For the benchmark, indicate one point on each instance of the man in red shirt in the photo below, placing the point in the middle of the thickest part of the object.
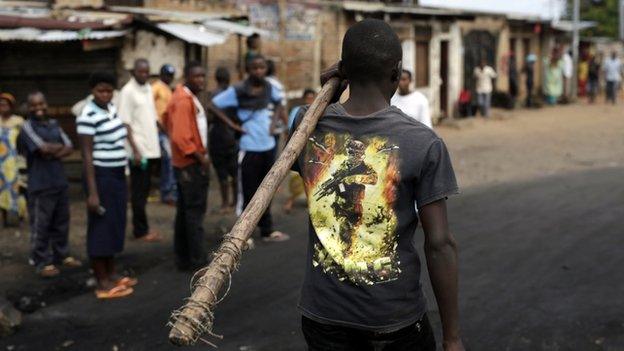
(186, 124)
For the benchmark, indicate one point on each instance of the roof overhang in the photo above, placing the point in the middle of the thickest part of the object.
(192, 33)
(50, 36)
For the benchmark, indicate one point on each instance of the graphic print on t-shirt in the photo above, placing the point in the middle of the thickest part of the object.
(351, 185)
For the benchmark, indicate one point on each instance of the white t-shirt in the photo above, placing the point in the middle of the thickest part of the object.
(137, 109)
(415, 105)
(613, 70)
(200, 115)
(484, 79)
(568, 66)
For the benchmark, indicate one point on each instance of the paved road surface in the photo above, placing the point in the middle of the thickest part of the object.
(541, 269)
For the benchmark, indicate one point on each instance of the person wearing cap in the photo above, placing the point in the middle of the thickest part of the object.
(12, 203)
(161, 89)
(529, 71)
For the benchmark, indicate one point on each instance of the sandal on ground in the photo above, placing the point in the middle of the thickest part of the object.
(127, 282)
(71, 262)
(114, 293)
(49, 271)
(152, 237)
(276, 237)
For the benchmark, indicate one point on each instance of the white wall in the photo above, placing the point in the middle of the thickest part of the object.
(157, 49)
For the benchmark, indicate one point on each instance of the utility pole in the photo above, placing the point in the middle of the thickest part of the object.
(621, 11)
(575, 47)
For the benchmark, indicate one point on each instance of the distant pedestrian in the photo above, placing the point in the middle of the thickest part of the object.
(296, 187)
(553, 77)
(224, 147)
(12, 201)
(568, 74)
(44, 143)
(187, 127)
(412, 103)
(593, 79)
(102, 140)
(513, 78)
(613, 76)
(484, 75)
(161, 88)
(254, 46)
(252, 99)
(138, 112)
(529, 72)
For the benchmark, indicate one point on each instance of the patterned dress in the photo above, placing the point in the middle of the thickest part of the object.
(10, 163)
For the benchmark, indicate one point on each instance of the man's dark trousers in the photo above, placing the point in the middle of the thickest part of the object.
(191, 206)
(49, 226)
(254, 166)
(140, 184)
(324, 337)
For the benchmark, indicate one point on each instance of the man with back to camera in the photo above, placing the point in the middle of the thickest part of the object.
(361, 289)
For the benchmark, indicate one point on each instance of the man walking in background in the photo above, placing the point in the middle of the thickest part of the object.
(613, 76)
(186, 123)
(161, 89)
(484, 75)
(412, 103)
(224, 147)
(138, 112)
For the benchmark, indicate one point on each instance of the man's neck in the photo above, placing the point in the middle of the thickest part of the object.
(192, 90)
(365, 99)
(404, 92)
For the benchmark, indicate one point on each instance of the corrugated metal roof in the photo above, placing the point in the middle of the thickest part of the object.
(33, 34)
(568, 26)
(181, 16)
(233, 28)
(193, 33)
(381, 7)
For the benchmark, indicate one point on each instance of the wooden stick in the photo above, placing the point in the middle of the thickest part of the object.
(195, 318)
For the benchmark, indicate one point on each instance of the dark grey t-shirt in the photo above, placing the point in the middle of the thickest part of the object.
(362, 176)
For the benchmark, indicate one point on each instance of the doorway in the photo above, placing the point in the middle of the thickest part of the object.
(444, 76)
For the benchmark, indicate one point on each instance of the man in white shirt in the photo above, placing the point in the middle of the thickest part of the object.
(138, 112)
(568, 72)
(412, 103)
(484, 75)
(613, 76)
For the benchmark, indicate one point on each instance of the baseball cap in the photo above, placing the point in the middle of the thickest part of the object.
(167, 69)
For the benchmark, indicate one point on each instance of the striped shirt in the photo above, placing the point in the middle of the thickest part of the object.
(109, 135)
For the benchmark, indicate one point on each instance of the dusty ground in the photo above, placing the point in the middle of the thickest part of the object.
(538, 224)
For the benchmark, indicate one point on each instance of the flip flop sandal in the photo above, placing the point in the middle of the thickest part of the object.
(276, 237)
(49, 271)
(127, 282)
(71, 262)
(114, 293)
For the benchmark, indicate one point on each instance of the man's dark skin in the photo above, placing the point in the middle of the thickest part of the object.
(404, 84)
(195, 81)
(256, 69)
(369, 97)
(38, 109)
(141, 74)
(223, 186)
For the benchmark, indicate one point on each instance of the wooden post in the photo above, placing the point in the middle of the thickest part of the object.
(196, 316)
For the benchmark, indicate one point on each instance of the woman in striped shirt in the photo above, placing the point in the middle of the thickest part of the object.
(102, 138)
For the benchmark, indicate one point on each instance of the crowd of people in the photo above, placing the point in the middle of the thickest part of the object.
(145, 127)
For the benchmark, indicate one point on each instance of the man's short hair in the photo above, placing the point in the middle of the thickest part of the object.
(409, 74)
(222, 75)
(191, 66)
(98, 77)
(251, 38)
(270, 68)
(307, 91)
(140, 61)
(34, 93)
(370, 50)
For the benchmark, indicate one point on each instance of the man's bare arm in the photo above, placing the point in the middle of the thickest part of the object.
(221, 116)
(441, 253)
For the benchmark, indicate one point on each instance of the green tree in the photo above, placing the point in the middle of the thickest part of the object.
(604, 13)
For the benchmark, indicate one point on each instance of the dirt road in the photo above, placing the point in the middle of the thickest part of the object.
(538, 224)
